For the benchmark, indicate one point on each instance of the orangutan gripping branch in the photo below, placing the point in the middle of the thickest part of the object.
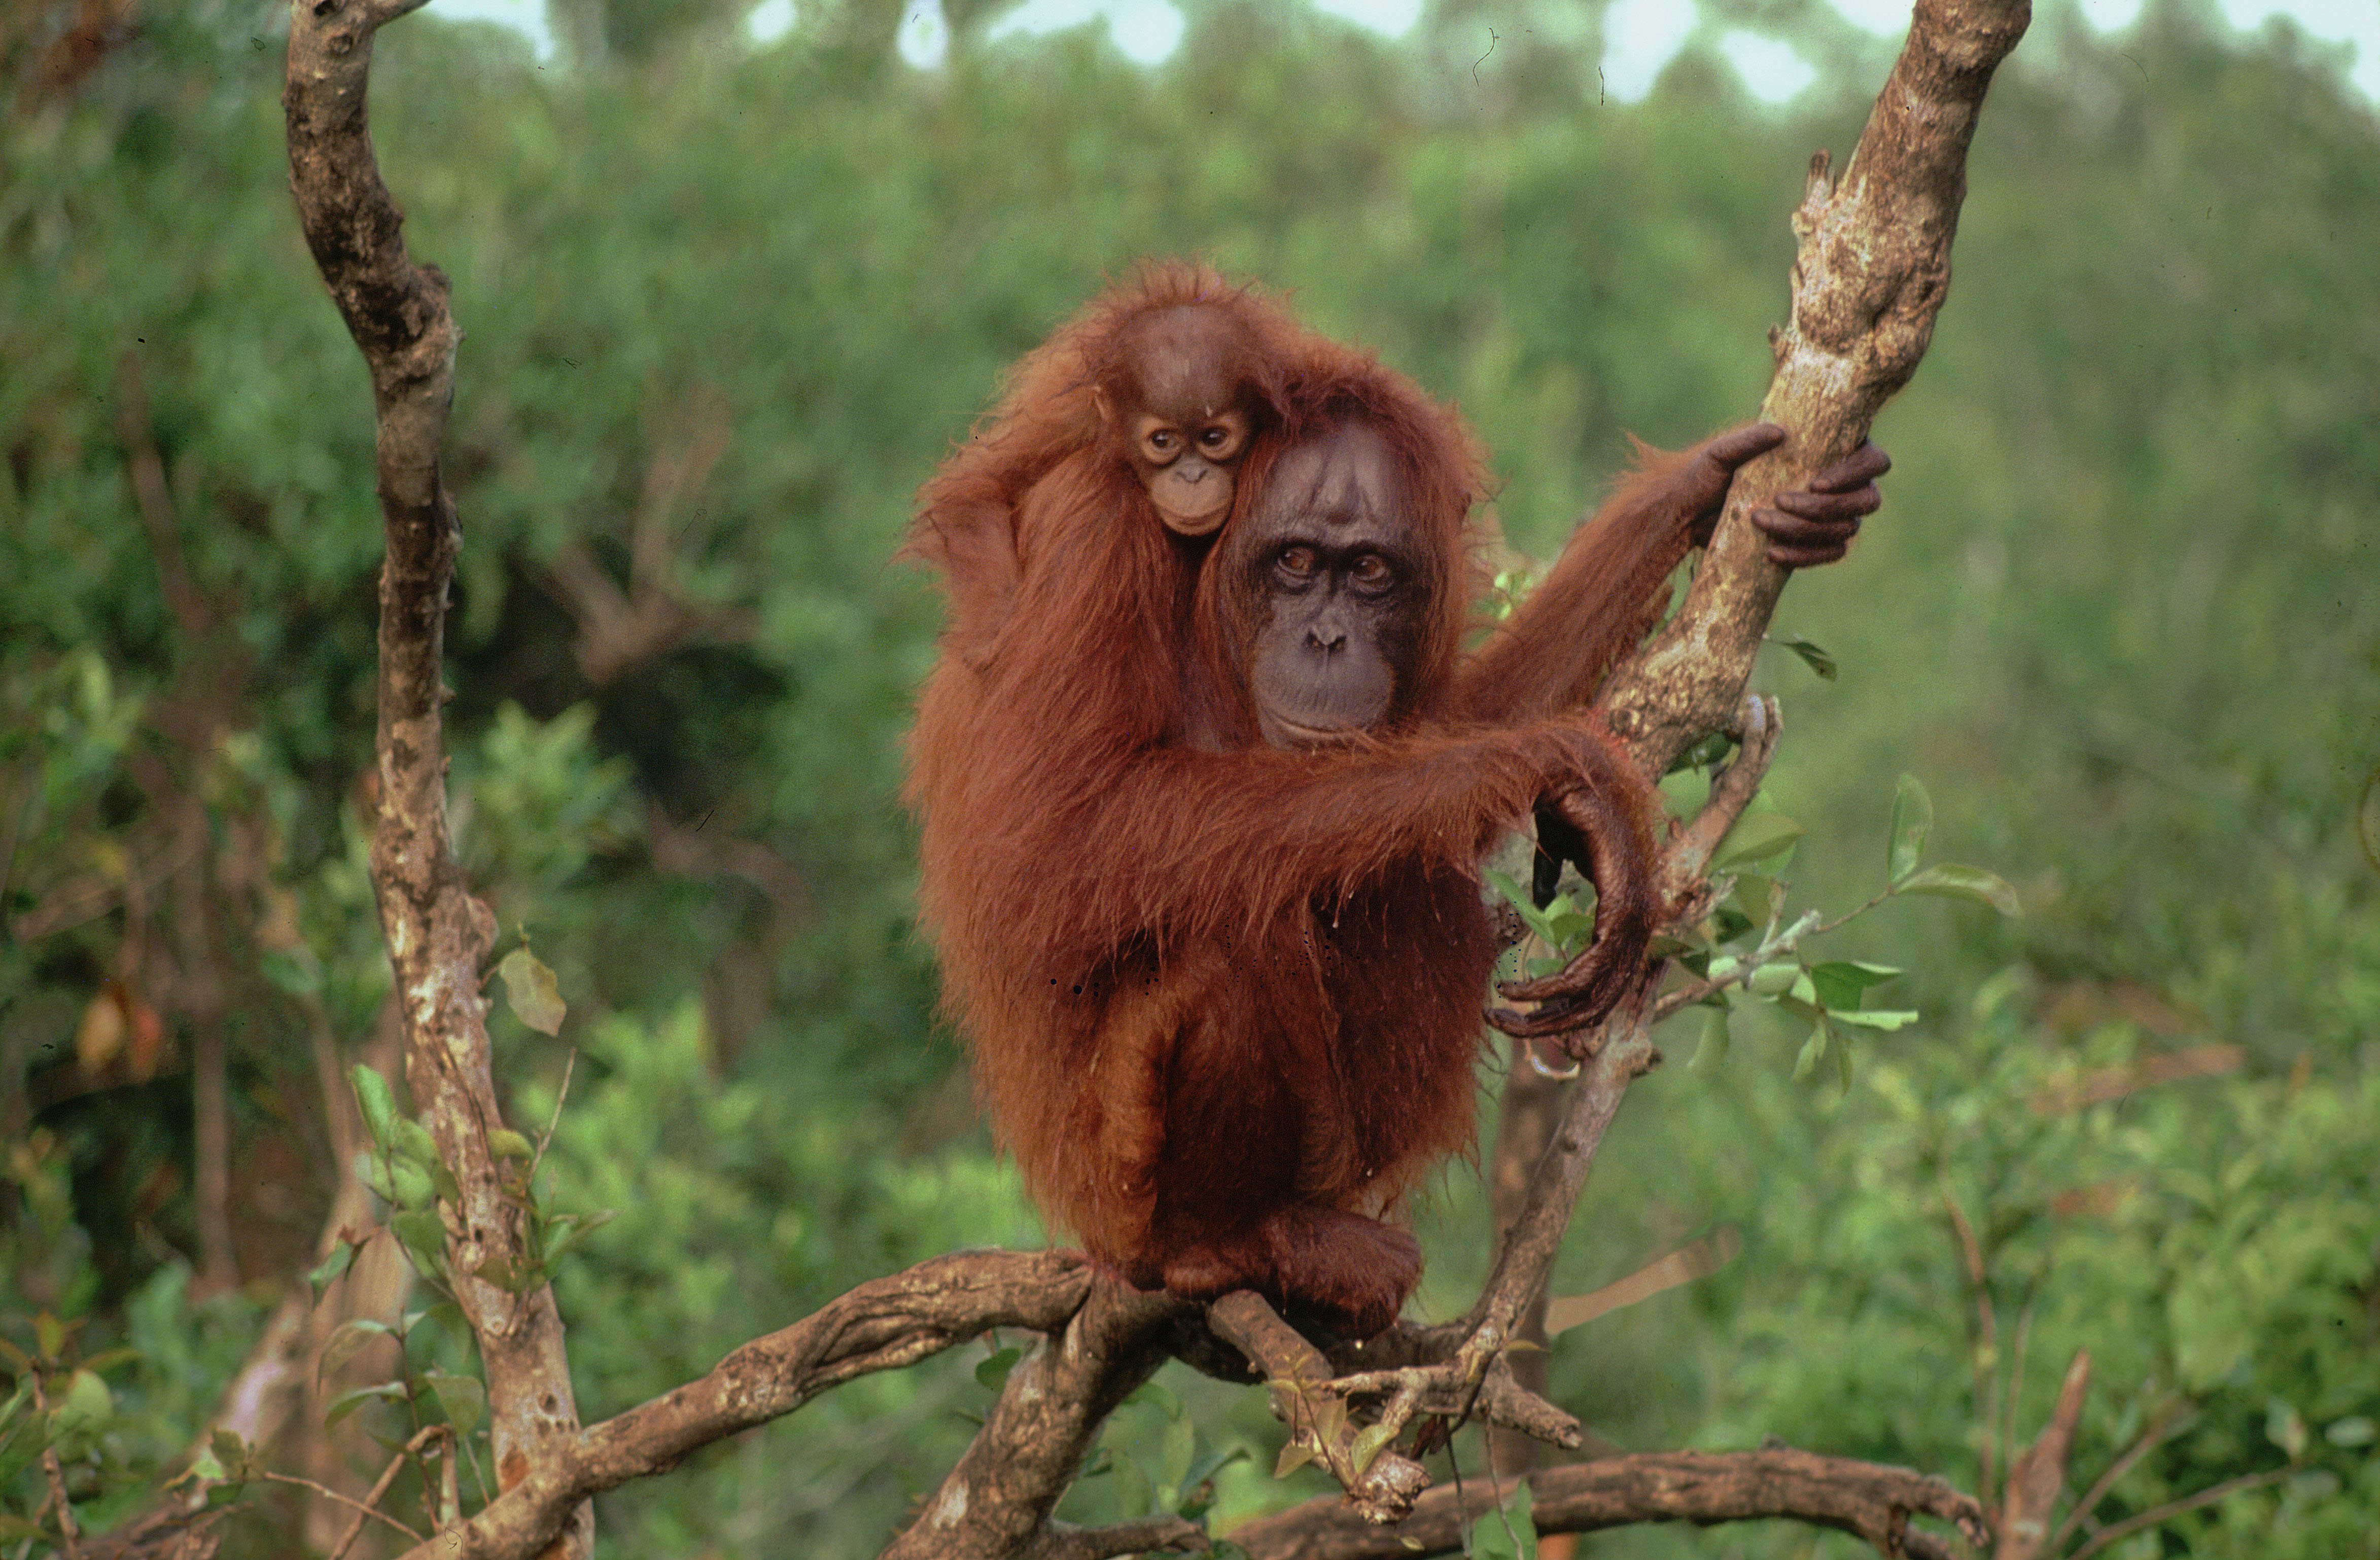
(1202, 813)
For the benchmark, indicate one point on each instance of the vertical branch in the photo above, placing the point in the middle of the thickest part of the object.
(2036, 1478)
(437, 934)
(1526, 1254)
(1525, 1126)
(1872, 269)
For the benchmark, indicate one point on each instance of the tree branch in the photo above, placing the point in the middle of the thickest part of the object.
(1870, 1500)
(884, 1325)
(997, 1502)
(1872, 268)
(437, 934)
(2036, 1478)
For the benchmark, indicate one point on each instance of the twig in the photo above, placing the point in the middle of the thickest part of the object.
(1382, 1483)
(374, 1513)
(2166, 1426)
(1982, 1355)
(70, 1535)
(380, 1487)
(2170, 1509)
(569, 1065)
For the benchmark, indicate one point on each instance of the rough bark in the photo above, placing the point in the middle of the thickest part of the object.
(437, 934)
(1870, 273)
(1867, 1499)
(884, 1325)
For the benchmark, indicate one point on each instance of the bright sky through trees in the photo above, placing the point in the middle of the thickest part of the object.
(1641, 36)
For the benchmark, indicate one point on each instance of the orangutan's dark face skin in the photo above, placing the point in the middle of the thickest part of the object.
(1325, 558)
(1184, 410)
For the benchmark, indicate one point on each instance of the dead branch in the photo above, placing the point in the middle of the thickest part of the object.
(885, 1324)
(1706, 1487)
(619, 631)
(437, 934)
(2036, 1478)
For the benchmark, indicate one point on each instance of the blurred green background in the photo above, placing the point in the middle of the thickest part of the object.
(728, 304)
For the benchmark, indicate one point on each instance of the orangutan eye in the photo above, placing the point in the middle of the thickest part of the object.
(1296, 564)
(1371, 573)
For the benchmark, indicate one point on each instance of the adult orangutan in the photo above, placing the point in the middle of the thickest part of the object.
(1201, 831)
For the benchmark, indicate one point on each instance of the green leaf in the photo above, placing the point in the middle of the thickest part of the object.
(1874, 1019)
(2355, 1431)
(1293, 1455)
(1882, 1018)
(1758, 898)
(373, 1097)
(346, 1403)
(992, 1374)
(1181, 1447)
(506, 1144)
(1712, 1052)
(1840, 984)
(84, 1407)
(2285, 1427)
(1776, 979)
(464, 1399)
(1813, 1051)
(1817, 659)
(327, 1272)
(575, 1227)
(1912, 816)
(1755, 837)
(1370, 1442)
(1198, 1484)
(348, 1342)
(1962, 883)
(234, 1458)
(411, 1182)
(532, 991)
(293, 971)
(512, 1277)
(424, 1240)
(1569, 929)
(1702, 754)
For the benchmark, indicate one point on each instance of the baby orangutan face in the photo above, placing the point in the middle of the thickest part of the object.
(1183, 404)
